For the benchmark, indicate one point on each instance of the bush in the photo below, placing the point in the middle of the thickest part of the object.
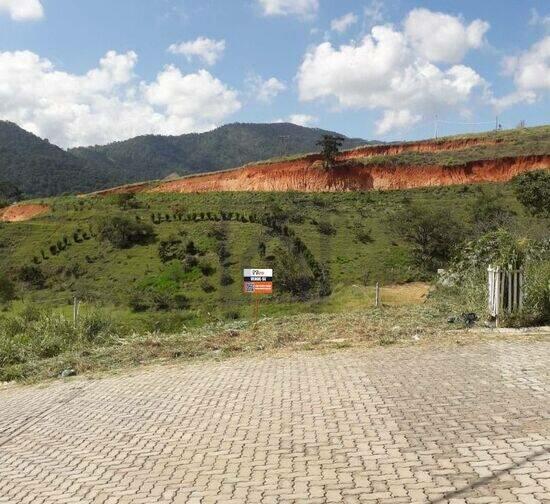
(7, 289)
(124, 233)
(206, 268)
(127, 200)
(533, 191)
(226, 279)
(363, 236)
(33, 276)
(207, 287)
(171, 249)
(326, 228)
(489, 214)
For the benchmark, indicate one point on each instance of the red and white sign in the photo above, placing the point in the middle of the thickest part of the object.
(258, 281)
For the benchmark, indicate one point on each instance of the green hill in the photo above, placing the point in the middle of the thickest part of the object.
(154, 156)
(166, 257)
(39, 168)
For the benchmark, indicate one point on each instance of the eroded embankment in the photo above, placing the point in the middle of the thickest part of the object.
(308, 175)
(18, 213)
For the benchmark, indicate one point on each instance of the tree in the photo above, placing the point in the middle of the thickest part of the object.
(124, 233)
(330, 145)
(9, 192)
(434, 233)
(533, 191)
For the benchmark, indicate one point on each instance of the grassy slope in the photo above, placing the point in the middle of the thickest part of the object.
(510, 143)
(109, 275)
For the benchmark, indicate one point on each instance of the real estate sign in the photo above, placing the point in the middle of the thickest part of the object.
(258, 281)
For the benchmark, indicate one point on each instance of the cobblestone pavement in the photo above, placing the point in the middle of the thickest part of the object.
(466, 424)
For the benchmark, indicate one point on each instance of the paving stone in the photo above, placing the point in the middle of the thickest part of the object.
(463, 425)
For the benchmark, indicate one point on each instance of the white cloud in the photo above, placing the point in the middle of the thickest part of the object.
(208, 50)
(439, 37)
(374, 13)
(530, 71)
(396, 119)
(107, 103)
(342, 24)
(264, 90)
(300, 8)
(22, 10)
(384, 71)
(538, 20)
(302, 119)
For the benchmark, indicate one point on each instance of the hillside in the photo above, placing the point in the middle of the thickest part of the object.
(39, 168)
(155, 156)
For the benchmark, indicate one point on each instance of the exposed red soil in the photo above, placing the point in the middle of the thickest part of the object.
(18, 213)
(307, 174)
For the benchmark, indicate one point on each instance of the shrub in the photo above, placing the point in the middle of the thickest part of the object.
(189, 262)
(326, 228)
(7, 289)
(33, 276)
(171, 249)
(364, 236)
(489, 214)
(207, 287)
(126, 200)
(125, 233)
(533, 191)
(206, 268)
(226, 279)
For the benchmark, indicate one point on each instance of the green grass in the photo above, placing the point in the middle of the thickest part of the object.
(526, 142)
(107, 276)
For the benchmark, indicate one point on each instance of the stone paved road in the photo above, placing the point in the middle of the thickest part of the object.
(457, 424)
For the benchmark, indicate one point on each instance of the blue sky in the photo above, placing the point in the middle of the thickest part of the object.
(370, 69)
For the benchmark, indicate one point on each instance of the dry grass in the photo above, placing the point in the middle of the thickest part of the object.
(411, 325)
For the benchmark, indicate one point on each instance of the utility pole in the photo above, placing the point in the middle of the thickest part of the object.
(496, 123)
(284, 142)
(436, 132)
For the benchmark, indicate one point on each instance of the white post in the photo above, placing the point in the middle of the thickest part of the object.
(75, 311)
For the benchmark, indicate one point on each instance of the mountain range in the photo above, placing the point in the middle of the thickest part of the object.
(39, 168)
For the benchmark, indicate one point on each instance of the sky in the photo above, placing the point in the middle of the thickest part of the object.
(85, 72)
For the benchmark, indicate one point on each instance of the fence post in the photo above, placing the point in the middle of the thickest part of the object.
(377, 295)
(75, 311)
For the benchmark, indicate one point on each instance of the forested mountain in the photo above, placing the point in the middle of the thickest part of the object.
(39, 168)
(155, 156)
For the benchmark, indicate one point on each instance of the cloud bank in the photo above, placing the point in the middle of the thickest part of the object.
(396, 71)
(108, 102)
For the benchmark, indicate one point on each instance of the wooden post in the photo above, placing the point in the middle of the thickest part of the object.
(377, 295)
(75, 311)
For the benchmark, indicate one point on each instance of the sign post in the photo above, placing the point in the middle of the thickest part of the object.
(257, 282)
